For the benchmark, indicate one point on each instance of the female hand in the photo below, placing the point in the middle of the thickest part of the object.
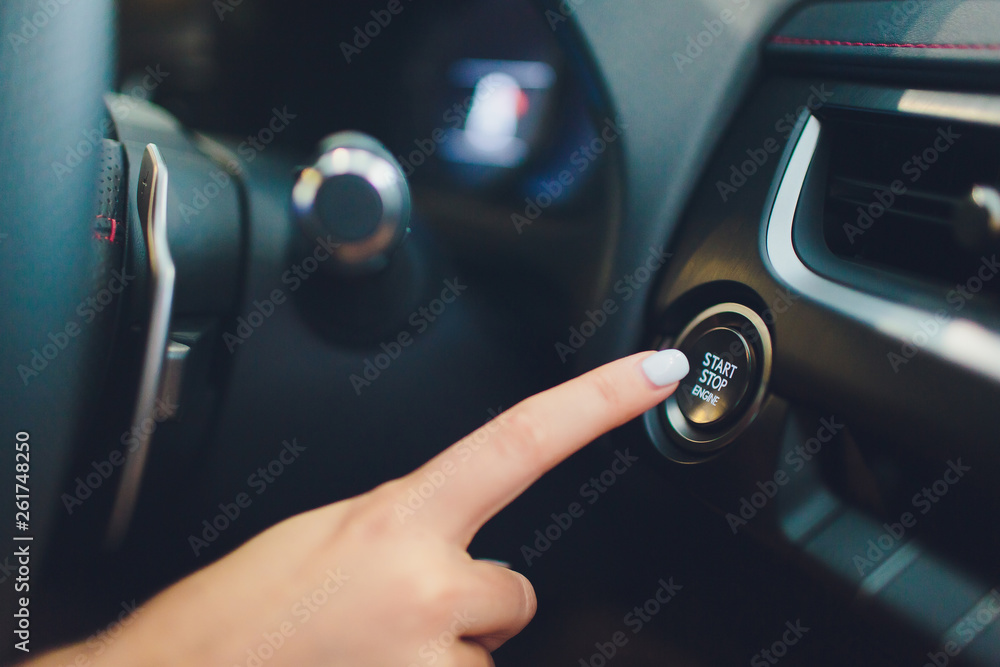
(372, 582)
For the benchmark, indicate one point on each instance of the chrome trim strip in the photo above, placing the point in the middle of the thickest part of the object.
(980, 109)
(959, 341)
(889, 569)
(151, 200)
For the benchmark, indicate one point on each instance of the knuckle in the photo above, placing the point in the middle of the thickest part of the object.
(436, 594)
(369, 517)
(609, 394)
(526, 435)
(384, 495)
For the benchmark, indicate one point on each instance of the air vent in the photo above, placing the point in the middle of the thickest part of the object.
(911, 196)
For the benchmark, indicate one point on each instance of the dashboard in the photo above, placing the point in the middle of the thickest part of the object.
(801, 196)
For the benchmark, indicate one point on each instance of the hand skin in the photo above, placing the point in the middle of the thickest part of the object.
(400, 589)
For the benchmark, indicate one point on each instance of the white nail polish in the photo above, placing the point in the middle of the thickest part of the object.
(666, 367)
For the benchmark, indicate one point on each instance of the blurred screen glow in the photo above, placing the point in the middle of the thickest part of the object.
(493, 133)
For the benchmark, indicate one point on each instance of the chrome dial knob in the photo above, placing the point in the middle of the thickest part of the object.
(355, 199)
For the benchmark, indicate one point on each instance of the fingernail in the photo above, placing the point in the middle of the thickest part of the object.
(666, 367)
(500, 563)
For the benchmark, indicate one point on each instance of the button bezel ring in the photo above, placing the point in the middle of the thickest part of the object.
(677, 438)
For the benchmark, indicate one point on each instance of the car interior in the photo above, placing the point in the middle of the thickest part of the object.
(283, 252)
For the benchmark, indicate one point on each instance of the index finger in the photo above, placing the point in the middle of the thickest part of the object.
(464, 486)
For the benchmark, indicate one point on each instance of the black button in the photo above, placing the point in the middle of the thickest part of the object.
(721, 370)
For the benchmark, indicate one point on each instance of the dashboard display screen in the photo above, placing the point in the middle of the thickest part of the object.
(501, 107)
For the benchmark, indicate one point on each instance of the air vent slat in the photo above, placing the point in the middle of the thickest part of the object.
(895, 189)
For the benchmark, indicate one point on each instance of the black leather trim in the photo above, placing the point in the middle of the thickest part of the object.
(911, 33)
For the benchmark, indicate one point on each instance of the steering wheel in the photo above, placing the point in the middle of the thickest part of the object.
(58, 251)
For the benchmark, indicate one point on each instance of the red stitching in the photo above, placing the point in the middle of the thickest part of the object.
(800, 41)
(114, 228)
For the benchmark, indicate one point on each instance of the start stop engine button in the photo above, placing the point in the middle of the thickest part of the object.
(721, 371)
(729, 349)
